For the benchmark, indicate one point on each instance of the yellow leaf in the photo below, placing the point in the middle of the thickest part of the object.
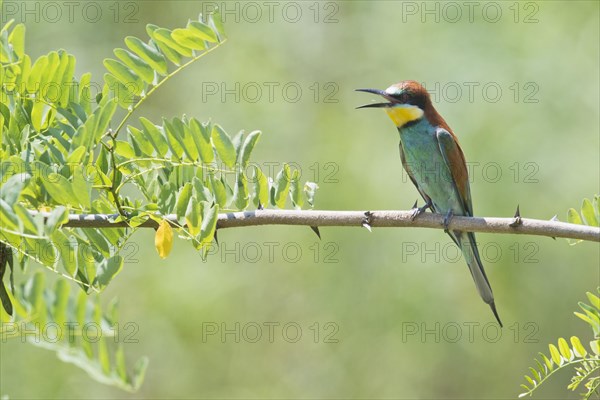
(555, 355)
(163, 240)
(564, 349)
(578, 347)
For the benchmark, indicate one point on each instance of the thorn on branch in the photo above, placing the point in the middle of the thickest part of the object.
(517, 219)
(315, 229)
(555, 218)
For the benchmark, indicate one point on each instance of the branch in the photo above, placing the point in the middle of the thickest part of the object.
(375, 219)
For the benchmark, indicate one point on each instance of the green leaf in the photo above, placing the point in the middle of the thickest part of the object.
(201, 192)
(58, 216)
(67, 79)
(585, 318)
(97, 241)
(17, 40)
(169, 52)
(216, 23)
(85, 96)
(76, 155)
(148, 54)
(132, 81)
(12, 188)
(167, 198)
(549, 364)
(26, 219)
(165, 37)
(223, 145)
(85, 134)
(594, 300)
(588, 213)
(310, 189)
(124, 149)
(573, 217)
(105, 114)
(82, 187)
(193, 217)
(295, 192)
(136, 64)
(240, 191)
(202, 31)
(261, 188)
(61, 293)
(67, 248)
(201, 136)
(41, 115)
(59, 189)
(218, 190)
(155, 137)
(282, 186)
(8, 219)
(209, 224)
(564, 349)
(107, 270)
(35, 75)
(578, 347)
(186, 141)
(188, 38)
(534, 373)
(247, 148)
(183, 199)
(173, 138)
(123, 96)
(142, 142)
(530, 381)
(555, 355)
(34, 293)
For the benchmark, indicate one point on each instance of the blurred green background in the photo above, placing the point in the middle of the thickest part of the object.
(405, 319)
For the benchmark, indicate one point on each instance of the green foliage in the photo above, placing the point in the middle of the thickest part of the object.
(590, 214)
(563, 355)
(75, 327)
(65, 151)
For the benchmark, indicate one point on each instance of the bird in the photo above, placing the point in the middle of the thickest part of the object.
(434, 161)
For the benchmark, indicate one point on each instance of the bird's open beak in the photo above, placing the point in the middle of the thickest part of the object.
(377, 105)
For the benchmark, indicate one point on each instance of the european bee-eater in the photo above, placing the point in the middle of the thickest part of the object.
(435, 163)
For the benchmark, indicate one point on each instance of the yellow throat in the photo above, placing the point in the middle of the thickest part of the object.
(403, 114)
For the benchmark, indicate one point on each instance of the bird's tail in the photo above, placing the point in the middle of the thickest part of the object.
(466, 241)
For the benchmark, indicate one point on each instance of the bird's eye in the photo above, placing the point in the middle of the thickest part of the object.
(404, 97)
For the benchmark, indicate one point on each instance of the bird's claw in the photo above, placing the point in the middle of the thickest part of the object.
(447, 220)
(419, 210)
(367, 220)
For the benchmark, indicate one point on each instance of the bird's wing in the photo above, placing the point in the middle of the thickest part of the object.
(455, 161)
(410, 174)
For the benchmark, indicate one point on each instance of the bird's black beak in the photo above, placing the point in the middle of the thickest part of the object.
(376, 105)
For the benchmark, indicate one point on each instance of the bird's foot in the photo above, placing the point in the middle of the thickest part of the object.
(366, 222)
(447, 220)
(416, 211)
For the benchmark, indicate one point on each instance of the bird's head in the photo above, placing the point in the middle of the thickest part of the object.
(407, 102)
